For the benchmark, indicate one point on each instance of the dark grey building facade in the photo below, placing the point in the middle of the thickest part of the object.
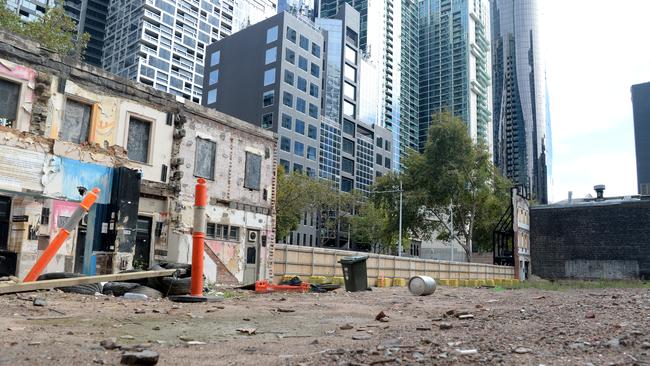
(641, 112)
(519, 96)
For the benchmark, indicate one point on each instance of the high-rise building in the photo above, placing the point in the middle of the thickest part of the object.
(520, 102)
(249, 12)
(90, 16)
(388, 39)
(300, 8)
(162, 43)
(641, 112)
(455, 65)
(301, 80)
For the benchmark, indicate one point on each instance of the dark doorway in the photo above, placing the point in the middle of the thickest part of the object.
(80, 247)
(142, 243)
(5, 219)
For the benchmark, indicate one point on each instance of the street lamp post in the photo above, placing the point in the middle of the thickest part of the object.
(399, 240)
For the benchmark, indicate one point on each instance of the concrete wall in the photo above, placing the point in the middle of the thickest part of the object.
(306, 261)
(608, 240)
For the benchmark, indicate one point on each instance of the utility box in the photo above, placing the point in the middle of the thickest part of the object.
(355, 273)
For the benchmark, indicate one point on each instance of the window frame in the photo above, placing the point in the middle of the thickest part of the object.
(152, 124)
(21, 90)
(80, 100)
(214, 161)
(265, 94)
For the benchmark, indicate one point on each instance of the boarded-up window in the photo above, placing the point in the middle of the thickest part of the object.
(206, 153)
(252, 175)
(138, 140)
(76, 122)
(9, 93)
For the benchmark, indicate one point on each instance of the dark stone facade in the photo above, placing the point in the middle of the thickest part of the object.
(589, 240)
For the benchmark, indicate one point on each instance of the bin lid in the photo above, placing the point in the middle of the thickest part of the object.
(353, 259)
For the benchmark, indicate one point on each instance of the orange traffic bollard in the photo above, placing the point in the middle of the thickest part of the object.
(62, 235)
(198, 235)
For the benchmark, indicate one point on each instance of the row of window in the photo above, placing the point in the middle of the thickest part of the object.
(304, 42)
(205, 160)
(221, 232)
(303, 63)
(301, 105)
(298, 168)
(298, 148)
(301, 83)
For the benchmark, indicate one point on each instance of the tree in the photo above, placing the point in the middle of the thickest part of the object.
(370, 229)
(54, 30)
(452, 170)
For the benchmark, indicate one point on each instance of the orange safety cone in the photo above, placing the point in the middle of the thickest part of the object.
(62, 235)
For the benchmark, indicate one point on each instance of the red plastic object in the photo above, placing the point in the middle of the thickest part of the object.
(263, 286)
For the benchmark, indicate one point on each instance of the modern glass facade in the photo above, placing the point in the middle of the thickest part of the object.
(454, 65)
(520, 102)
(249, 12)
(388, 40)
(641, 113)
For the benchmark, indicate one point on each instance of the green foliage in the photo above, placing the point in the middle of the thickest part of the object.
(370, 228)
(452, 169)
(54, 30)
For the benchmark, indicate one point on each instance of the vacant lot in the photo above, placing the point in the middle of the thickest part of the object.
(452, 326)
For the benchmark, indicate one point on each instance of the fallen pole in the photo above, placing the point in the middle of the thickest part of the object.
(63, 282)
(62, 235)
(198, 235)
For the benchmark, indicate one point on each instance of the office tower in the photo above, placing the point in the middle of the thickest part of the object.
(455, 65)
(90, 16)
(162, 43)
(641, 112)
(300, 8)
(388, 39)
(249, 12)
(519, 89)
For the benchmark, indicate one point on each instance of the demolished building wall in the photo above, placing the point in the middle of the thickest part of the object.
(79, 126)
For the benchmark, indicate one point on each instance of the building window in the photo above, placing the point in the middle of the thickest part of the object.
(311, 173)
(349, 108)
(312, 132)
(267, 120)
(286, 121)
(347, 165)
(387, 163)
(350, 54)
(315, 49)
(268, 98)
(76, 122)
(272, 34)
(387, 145)
(212, 96)
(285, 165)
(379, 159)
(215, 58)
(297, 168)
(300, 127)
(302, 63)
(137, 145)
(380, 142)
(302, 84)
(348, 147)
(346, 184)
(304, 43)
(269, 77)
(214, 77)
(298, 148)
(350, 91)
(290, 56)
(348, 127)
(313, 111)
(206, 153)
(271, 55)
(9, 95)
(288, 77)
(351, 36)
(311, 153)
(313, 90)
(301, 105)
(287, 99)
(315, 70)
(252, 171)
(285, 144)
(350, 73)
(221, 232)
(291, 34)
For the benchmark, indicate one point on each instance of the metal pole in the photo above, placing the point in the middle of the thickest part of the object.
(451, 215)
(198, 236)
(399, 244)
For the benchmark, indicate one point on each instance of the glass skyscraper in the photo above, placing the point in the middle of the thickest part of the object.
(388, 41)
(520, 103)
(455, 65)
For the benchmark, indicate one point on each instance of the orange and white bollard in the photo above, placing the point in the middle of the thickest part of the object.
(62, 235)
(198, 237)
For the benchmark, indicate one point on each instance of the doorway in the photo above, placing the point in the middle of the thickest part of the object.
(142, 243)
(251, 268)
(5, 220)
(80, 250)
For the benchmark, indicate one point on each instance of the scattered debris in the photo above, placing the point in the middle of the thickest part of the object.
(346, 326)
(127, 337)
(109, 344)
(522, 350)
(195, 343)
(140, 311)
(39, 302)
(281, 310)
(382, 317)
(465, 352)
(145, 357)
(590, 315)
(445, 326)
(249, 331)
(423, 328)
(185, 338)
(539, 297)
(361, 337)
(465, 316)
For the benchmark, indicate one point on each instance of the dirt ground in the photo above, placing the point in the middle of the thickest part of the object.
(513, 327)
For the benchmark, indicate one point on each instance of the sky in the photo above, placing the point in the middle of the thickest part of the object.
(594, 51)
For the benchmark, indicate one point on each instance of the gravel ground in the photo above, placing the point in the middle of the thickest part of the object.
(452, 326)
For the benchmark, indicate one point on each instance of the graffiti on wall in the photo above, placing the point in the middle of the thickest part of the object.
(64, 177)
